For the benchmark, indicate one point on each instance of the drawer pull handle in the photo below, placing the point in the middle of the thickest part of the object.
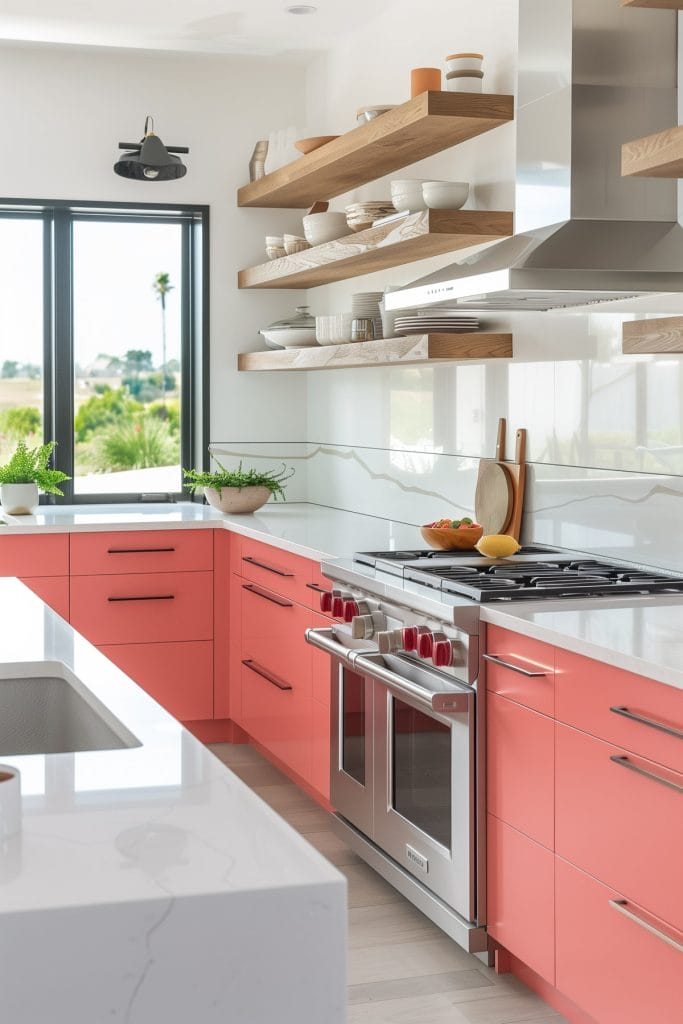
(144, 597)
(513, 668)
(253, 666)
(266, 596)
(622, 907)
(624, 762)
(316, 586)
(264, 565)
(138, 551)
(652, 722)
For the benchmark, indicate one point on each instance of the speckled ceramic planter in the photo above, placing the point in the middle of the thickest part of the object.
(237, 499)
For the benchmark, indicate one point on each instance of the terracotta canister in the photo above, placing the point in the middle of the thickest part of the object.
(424, 80)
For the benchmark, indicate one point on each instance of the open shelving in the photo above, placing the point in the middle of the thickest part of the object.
(654, 156)
(664, 5)
(653, 337)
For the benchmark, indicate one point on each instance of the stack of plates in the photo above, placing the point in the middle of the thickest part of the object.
(361, 215)
(448, 321)
(366, 305)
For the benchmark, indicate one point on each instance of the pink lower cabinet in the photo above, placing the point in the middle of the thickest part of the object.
(178, 675)
(520, 669)
(34, 555)
(53, 590)
(276, 712)
(620, 818)
(521, 913)
(615, 960)
(141, 551)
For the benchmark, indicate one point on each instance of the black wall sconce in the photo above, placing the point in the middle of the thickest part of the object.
(150, 159)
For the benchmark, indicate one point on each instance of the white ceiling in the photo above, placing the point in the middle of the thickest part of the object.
(262, 27)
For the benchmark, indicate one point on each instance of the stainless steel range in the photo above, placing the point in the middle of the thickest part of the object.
(408, 736)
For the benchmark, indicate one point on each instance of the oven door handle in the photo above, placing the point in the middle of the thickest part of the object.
(325, 640)
(460, 700)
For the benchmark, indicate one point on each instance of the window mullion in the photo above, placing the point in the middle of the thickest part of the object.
(63, 357)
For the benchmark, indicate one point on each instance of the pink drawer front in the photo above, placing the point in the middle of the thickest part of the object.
(53, 590)
(520, 757)
(320, 748)
(141, 551)
(273, 634)
(614, 960)
(637, 713)
(280, 571)
(523, 669)
(620, 818)
(34, 555)
(178, 675)
(277, 713)
(148, 608)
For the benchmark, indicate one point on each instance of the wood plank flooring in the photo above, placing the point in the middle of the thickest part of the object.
(401, 968)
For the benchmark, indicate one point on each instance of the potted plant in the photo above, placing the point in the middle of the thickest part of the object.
(24, 475)
(242, 490)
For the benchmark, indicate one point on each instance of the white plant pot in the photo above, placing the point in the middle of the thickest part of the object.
(19, 499)
(237, 499)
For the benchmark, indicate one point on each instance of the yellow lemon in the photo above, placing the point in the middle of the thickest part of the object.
(498, 545)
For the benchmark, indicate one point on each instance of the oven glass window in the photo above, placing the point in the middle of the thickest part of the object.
(421, 771)
(353, 725)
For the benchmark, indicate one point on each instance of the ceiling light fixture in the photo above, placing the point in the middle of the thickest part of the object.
(150, 159)
(301, 9)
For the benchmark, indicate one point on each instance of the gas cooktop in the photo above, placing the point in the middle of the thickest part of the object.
(485, 580)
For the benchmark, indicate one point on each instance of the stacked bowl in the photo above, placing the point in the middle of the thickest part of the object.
(365, 306)
(464, 73)
(362, 215)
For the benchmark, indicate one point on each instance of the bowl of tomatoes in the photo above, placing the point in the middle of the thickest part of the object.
(452, 534)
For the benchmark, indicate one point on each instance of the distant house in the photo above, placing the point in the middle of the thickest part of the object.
(103, 366)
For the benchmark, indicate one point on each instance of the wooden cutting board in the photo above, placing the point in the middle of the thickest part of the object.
(494, 496)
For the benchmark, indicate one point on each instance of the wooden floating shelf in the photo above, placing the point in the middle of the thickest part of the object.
(427, 124)
(655, 156)
(664, 5)
(417, 236)
(652, 337)
(408, 351)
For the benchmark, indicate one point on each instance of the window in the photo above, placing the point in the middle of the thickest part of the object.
(103, 342)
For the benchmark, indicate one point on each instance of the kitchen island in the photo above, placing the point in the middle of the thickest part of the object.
(147, 882)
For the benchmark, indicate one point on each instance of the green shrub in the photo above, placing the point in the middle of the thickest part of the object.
(168, 411)
(20, 421)
(103, 410)
(143, 443)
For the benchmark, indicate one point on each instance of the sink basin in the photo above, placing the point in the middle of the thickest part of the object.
(46, 710)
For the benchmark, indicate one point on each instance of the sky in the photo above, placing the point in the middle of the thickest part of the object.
(115, 308)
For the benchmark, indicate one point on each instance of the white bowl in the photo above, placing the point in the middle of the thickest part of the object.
(464, 62)
(333, 330)
(324, 227)
(465, 85)
(294, 243)
(406, 194)
(445, 195)
(296, 337)
(370, 113)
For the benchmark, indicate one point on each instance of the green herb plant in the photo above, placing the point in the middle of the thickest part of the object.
(30, 465)
(274, 480)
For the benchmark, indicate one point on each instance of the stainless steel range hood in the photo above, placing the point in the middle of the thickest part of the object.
(591, 75)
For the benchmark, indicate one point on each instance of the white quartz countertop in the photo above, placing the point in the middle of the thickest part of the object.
(162, 819)
(313, 531)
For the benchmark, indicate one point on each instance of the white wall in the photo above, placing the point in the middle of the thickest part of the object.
(63, 112)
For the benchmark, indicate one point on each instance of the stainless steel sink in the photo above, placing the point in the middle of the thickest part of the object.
(53, 713)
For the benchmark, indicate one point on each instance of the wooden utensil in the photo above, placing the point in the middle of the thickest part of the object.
(494, 496)
(318, 207)
(517, 471)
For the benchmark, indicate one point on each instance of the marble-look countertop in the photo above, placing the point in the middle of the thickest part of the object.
(150, 883)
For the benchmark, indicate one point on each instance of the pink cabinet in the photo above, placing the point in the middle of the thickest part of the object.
(521, 909)
(141, 551)
(178, 675)
(273, 634)
(276, 570)
(638, 714)
(520, 669)
(221, 623)
(614, 959)
(520, 747)
(143, 608)
(276, 711)
(320, 748)
(35, 555)
(53, 590)
(620, 818)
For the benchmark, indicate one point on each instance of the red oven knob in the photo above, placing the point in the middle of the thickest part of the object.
(351, 609)
(425, 645)
(442, 656)
(326, 601)
(410, 637)
(338, 607)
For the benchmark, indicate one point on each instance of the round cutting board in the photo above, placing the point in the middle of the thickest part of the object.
(494, 496)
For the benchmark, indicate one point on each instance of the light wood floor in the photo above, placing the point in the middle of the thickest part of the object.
(402, 969)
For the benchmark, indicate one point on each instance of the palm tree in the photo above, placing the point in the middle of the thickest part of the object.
(162, 286)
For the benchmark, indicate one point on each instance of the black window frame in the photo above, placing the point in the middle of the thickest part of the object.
(58, 217)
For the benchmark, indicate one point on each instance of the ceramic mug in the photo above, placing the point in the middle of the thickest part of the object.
(424, 80)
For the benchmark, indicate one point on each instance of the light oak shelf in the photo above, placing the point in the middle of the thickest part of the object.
(653, 337)
(415, 237)
(654, 156)
(411, 350)
(664, 5)
(427, 124)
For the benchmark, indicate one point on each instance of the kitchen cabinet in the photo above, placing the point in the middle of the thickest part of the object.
(178, 675)
(53, 590)
(42, 563)
(141, 551)
(585, 791)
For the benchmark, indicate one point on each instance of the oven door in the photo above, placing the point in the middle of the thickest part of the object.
(424, 805)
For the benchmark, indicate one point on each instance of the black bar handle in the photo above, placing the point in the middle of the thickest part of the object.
(253, 666)
(137, 551)
(265, 565)
(145, 597)
(318, 589)
(253, 589)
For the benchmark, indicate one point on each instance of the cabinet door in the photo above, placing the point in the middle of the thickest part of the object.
(277, 713)
(619, 969)
(138, 551)
(273, 634)
(178, 675)
(320, 748)
(35, 555)
(221, 623)
(520, 882)
(523, 669)
(53, 590)
(520, 756)
(277, 570)
(620, 818)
